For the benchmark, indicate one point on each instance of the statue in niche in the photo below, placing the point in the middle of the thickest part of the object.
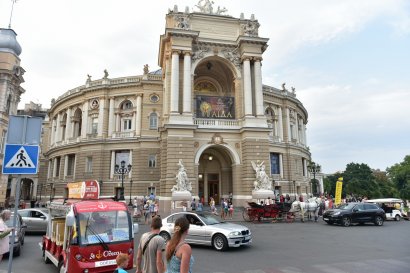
(181, 22)
(262, 182)
(182, 180)
(250, 28)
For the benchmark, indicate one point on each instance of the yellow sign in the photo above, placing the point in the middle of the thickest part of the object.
(338, 194)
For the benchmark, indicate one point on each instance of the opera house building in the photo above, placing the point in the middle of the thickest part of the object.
(206, 105)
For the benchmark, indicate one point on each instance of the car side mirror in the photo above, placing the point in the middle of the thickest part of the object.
(355, 210)
(43, 217)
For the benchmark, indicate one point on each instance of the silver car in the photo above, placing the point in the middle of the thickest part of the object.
(20, 232)
(205, 229)
(36, 219)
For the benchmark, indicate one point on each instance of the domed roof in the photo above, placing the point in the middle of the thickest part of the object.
(8, 41)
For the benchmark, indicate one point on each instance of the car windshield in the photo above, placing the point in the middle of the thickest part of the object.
(348, 206)
(208, 219)
(103, 227)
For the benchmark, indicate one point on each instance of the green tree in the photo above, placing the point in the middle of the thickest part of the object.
(387, 187)
(400, 176)
(358, 179)
(329, 183)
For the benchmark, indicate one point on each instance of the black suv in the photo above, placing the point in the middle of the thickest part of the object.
(346, 214)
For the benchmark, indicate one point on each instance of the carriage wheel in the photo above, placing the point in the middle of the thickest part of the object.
(290, 217)
(246, 214)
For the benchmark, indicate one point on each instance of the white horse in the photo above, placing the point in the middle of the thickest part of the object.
(311, 206)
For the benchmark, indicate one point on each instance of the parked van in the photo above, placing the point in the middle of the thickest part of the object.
(393, 207)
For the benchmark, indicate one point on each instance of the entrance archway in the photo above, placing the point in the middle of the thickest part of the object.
(215, 172)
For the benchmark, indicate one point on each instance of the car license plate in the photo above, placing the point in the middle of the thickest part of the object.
(105, 263)
(326, 219)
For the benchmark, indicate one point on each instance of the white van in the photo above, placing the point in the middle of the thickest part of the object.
(393, 207)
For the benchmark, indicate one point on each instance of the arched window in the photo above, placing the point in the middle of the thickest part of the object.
(271, 120)
(153, 121)
(126, 105)
(77, 120)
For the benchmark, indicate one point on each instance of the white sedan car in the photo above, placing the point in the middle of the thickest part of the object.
(207, 230)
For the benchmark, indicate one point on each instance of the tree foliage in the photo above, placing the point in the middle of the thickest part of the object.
(399, 174)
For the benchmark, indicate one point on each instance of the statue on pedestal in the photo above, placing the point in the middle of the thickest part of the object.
(182, 180)
(262, 182)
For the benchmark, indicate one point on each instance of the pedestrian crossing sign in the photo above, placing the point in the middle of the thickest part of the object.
(20, 159)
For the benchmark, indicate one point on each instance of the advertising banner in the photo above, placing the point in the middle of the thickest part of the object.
(84, 190)
(215, 107)
(338, 193)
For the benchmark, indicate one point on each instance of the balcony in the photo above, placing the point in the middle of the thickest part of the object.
(123, 134)
(218, 123)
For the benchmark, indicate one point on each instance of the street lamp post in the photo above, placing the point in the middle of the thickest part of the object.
(122, 170)
(41, 190)
(313, 168)
(51, 190)
(130, 203)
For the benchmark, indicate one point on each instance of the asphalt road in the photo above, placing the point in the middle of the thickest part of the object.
(289, 248)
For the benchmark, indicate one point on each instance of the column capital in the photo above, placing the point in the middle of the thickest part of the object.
(187, 53)
(139, 95)
(175, 51)
(257, 59)
(246, 58)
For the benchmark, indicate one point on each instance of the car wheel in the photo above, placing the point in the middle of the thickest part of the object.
(346, 221)
(165, 235)
(45, 258)
(61, 267)
(329, 222)
(219, 242)
(397, 217)
(17, 251)
(378, 221)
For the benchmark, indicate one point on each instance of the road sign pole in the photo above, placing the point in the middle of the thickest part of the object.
(13, 233)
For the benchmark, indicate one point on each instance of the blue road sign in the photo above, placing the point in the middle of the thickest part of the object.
(20, 159)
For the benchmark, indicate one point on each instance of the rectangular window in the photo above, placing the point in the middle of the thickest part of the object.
(152, 161)
(274, 163)
(70, 164)
(303, 166)
(89, 164)
(127, 124)
(58, 161)
(122, 156)
(151, 190)
(94, 126)
(153, 121)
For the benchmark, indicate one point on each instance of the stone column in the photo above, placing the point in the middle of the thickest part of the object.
(280, 123)
(304, 133)
(138, 116)
(206, 193)
(84, 129)
(247, 86)
(68, 125)
(101, 118)
(118, 123)
(112, 165)
(187, 97)
(281, 165)
(53, 125)
(65, 165)
(111, 118)
(54, 167)
(288, 124)
(175, 82)
(58, 129)
(258, 87)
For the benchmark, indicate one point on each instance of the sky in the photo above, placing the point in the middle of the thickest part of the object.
(348, 60)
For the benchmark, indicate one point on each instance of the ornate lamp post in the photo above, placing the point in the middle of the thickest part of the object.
(122, 170)
(313, 168)
(130, 203)
(51, 191)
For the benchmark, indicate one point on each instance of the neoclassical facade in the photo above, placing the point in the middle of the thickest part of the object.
(207, 105)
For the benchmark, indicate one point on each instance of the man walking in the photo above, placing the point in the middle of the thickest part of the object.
(151, 249)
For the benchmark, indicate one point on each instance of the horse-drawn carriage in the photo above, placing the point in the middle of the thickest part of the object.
(274, 212)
